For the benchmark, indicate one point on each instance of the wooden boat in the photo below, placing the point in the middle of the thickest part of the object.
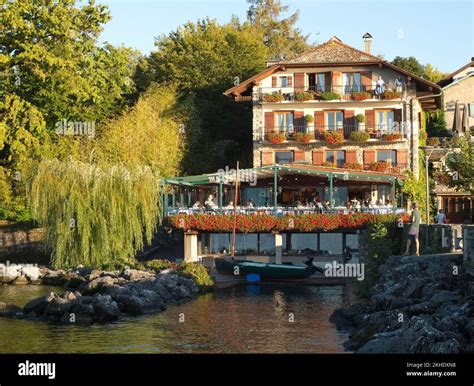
(266, 271)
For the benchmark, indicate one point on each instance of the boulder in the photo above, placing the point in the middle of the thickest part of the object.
(10, 310)
(55, 279)
(413, 289)
(58, 306)
(105, 309)
(75, 281)
(131, 304)
(31, 272)
(441, 297)
(96, 285)
(135, 274)
(8, 273)
(20, 280)
(38, 305)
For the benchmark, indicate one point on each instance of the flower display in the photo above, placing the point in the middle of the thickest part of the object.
(263, 222)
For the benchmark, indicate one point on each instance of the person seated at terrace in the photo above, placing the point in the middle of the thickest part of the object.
(249, 203)
(209, 204)
(230, 205)
(197, 205)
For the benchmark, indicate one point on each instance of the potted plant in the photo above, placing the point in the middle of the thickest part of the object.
(303, 96)
(276, 138)
(390, 94)
(333, 137)
(273, 97)
(360, 96)
(391, 137)
(359, 136)
(379, 167)
(354, 166)
(328, 164)
(303, 137)
(433, 141)
(329, 96)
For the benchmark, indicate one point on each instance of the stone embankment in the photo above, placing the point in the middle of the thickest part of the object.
(421, 304)
(94, 295)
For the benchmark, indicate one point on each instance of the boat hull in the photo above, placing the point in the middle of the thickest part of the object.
(267, 271)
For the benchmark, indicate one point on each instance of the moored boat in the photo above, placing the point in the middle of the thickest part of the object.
(266, 271)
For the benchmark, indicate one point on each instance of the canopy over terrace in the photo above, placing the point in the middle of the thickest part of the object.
(275, 178)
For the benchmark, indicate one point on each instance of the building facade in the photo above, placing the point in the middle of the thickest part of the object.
(335, 106)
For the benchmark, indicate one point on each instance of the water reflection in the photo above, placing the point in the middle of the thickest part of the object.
(246, 318)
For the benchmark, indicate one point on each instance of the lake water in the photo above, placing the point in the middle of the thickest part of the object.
(239, 319)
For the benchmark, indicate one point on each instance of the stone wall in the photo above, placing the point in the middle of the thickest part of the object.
(18, 243)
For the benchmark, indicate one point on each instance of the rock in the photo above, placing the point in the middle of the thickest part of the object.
(450, 346)
(55, 279)
(96, 285)
(20, 280)
(135, 275)
(85, 309)
(74, 281)
(32, 273)
(105, 309)
(58, 306)
(94, 274)
(444, 297)
(413, 289)
(162, 291)
(39, 305)
(8, 273)
(133, 305)
(338, 317)
(10, 310)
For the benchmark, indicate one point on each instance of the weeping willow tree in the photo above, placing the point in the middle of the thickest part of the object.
(94, 215)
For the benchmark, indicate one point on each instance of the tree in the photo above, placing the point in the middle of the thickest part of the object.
(436, 124)
(279, 34)
(410, 64)
(460, 162)
(433, 74)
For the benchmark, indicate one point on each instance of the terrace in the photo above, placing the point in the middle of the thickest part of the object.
(286, 190)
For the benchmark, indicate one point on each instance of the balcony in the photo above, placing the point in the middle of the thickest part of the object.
(312, 133)
(325, 94)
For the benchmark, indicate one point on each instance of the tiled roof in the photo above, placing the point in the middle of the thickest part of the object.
(333, 51)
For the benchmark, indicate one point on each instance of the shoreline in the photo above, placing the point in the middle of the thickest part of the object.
(420, 304)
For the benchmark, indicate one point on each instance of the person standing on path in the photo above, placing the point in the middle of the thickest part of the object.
(414, 230)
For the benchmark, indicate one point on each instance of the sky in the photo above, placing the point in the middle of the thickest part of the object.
(434, 31)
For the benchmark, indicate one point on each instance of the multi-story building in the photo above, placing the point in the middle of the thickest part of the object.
(338, 107)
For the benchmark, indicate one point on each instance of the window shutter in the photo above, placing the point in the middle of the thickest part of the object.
(299, 81)
(299, 155)
(274, 81)
(397, 117)
(349, 119)
(299, 121)
(327, 81)
(290, 81)
(351, 156)
(318, 157)
(267, 158)
(319, 120)
(370, 119)
(269, 122)
(336, 81)
(402, 158)
(366, 79)
(369, 157)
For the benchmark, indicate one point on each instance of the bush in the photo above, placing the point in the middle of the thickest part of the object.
(303, 137)
(276, 137)
(379, 167)
(360, 96)
(360, 118)
(200, 275)
(328, 164)
(309, 118)
(434, 141)
(333, 137)
(273, 97)
(303, 96)
(329, 96)
(360, 136)
(159, 265)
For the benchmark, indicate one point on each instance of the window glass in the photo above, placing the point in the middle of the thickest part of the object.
(321, 82)
(330, 156)
(284, 157)
(387, 156)
(339, 118)
(283, 81)
(347, 82)
(330, 118)
(289, 122)
(284, 121)
(341, 157)
(356, 82)
(334, 120)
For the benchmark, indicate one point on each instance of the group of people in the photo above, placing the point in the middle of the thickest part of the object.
(380, 86)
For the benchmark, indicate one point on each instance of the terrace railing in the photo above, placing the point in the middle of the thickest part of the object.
(311, 132)
(324, 93)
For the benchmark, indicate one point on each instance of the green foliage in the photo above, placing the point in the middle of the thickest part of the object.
(158, 265)
(199, 273)
(360, 136)
(410, 64)
(360, 118)
(279, 34)
(461, 162)
(382, 239)
(309, 118)
(436, 124)
(93, 215)
(329, 96)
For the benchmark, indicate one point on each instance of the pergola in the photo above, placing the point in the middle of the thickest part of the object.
(223, 178)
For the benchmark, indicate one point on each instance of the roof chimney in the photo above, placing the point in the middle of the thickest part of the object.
(367, 42)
